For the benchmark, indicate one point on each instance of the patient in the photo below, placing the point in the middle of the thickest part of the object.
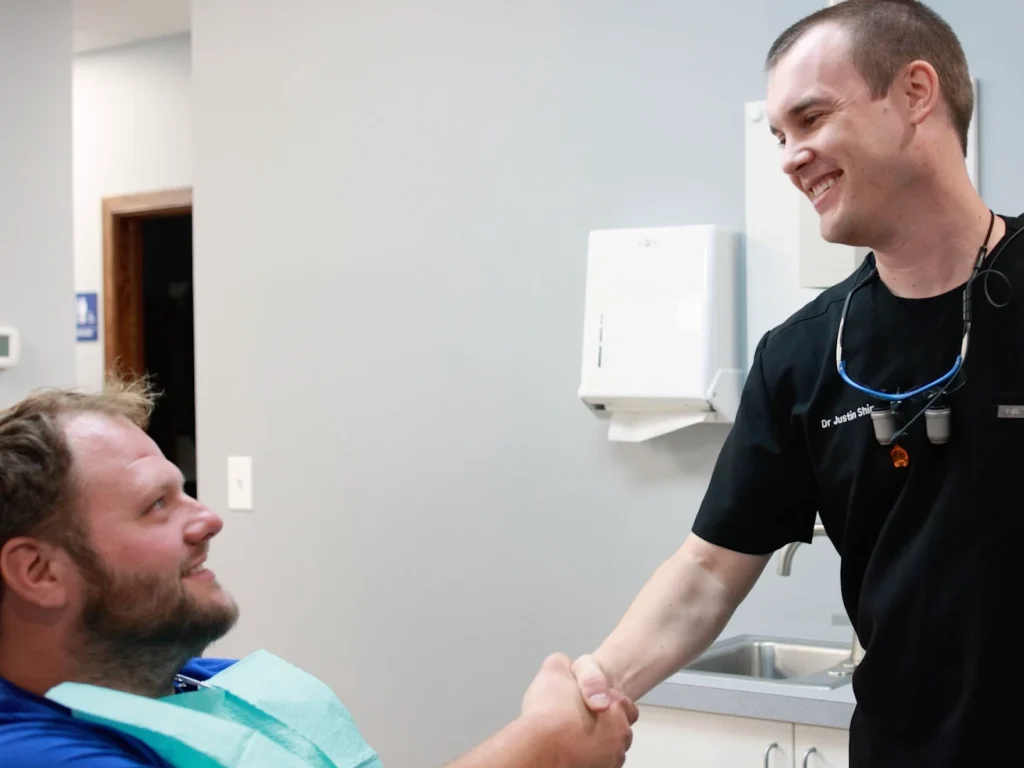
(102, 582)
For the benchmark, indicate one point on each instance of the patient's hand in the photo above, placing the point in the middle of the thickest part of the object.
(583, 739)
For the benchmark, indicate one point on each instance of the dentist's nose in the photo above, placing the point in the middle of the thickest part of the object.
(794, 158)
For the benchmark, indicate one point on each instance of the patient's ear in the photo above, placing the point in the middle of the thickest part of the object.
(36, 571)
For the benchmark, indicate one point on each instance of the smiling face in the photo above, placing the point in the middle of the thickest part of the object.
(144, 585)
(847, 152)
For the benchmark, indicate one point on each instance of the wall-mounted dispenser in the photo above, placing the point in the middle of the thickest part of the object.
(661, 334)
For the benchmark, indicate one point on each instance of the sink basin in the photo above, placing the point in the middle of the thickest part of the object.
(782, 660)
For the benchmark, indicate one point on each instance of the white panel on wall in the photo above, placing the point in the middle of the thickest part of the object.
(781, 215)
(822, 264)
(785, 254)
(972, 142)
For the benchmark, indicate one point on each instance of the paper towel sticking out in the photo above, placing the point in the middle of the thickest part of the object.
(661, 340)
(635, 427)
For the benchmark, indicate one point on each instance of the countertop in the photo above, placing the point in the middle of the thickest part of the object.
(831, 708)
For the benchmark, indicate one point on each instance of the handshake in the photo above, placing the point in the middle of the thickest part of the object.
(585, 722)
(571, 718)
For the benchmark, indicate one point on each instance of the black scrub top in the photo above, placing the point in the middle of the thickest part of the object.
(931, 537)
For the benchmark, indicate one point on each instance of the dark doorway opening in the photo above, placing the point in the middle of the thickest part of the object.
(169, 338)
(148, 311)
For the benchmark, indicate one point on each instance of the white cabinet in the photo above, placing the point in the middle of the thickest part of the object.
(821, 747)
(674, 738)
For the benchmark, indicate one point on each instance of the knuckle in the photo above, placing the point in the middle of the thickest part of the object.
(583, 662)
(556, 661)
(592, 677)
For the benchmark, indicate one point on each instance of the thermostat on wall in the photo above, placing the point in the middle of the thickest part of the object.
(10, 346)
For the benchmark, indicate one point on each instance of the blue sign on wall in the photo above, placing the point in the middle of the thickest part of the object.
(88, 324)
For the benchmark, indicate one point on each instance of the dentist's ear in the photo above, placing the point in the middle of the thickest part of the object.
(918, 85)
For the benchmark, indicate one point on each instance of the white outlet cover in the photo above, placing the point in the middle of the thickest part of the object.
(240, 482)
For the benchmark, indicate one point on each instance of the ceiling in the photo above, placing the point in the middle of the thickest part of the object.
(106, 23)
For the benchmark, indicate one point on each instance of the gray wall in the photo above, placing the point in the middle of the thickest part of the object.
(132, 113)
(392, 206)
(989, 31)
(37, 292)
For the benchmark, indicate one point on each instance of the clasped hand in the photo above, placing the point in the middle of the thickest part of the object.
(590, 720)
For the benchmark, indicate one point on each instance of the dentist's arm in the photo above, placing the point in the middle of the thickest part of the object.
(761, 496)
(556, 730)
(679, 612)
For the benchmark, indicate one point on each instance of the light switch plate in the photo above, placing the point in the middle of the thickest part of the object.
(240, 482)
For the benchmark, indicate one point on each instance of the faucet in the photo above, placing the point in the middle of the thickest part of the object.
(786, 567)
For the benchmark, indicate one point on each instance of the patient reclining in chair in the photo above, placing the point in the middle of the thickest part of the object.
(106, 607)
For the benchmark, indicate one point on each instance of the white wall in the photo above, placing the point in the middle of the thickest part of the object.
(132, 133)
(36, 287)
(392, 207)
(393, 201)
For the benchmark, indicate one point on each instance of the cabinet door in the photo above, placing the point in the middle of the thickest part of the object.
(673, 738)
(823, 747)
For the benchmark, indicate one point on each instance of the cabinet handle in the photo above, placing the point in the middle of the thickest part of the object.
(807, 755)
(768, 754)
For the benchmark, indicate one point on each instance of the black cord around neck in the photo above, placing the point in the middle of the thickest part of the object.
(948, 388)
(991, 270)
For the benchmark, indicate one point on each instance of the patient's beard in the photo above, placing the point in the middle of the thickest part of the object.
(136, 631)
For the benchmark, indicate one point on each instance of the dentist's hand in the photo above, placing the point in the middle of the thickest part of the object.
(582, 738)
(593, 683)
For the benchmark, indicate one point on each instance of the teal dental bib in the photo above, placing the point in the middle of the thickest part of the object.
(259, 712)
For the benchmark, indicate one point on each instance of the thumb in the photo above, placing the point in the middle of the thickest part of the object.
(592, 683)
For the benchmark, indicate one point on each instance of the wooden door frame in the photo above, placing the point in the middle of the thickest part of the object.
(123, 319)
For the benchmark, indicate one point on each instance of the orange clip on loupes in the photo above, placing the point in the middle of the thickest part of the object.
(900, 458)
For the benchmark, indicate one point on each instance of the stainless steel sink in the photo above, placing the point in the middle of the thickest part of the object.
(781, 660)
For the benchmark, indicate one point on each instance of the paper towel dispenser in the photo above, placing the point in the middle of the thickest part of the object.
(661, 337)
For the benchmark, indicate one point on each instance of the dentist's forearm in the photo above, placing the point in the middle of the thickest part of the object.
(680, 611)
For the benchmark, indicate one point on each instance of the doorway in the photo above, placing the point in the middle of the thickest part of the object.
(148, 311)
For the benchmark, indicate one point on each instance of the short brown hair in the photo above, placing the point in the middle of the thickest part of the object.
(887, 35)
(37, 484)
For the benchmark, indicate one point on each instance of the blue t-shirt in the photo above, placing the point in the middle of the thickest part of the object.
(38, 733)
